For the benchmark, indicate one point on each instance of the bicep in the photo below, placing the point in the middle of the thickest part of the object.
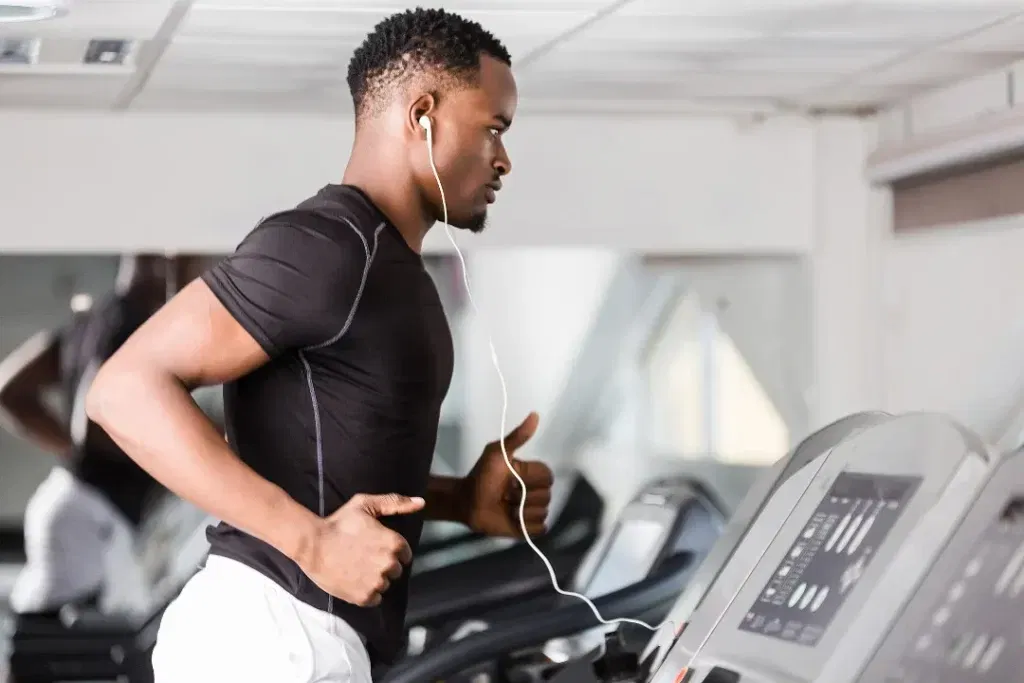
(194, 338)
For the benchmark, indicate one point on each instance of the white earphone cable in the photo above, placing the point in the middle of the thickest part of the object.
(425, 122)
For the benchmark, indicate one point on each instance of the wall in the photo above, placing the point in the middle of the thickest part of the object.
(536, 305)
(952, 306)
(953, 323)
(929, 321)
(98, 182)
(897, 323)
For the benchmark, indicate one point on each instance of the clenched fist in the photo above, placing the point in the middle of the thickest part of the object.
(354, 557)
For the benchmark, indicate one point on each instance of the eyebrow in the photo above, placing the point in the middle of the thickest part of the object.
(505, 121)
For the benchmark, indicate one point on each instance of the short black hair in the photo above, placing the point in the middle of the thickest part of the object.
(413, 41)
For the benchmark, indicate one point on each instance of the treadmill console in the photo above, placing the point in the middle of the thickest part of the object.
(848, 540)
(814, 446)
(830, 554)
(975, 627)
(635, 547)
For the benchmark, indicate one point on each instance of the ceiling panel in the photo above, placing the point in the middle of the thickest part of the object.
(348, 26)
(871, 21)
(622, 61)
(796, 58)
(755, 11)
(767, 59)
(1005, 38)
(235, 78)
(581, 106)
(590, 85)
(291, 55)
(34, 90)
(98, 19)
(931, 69)
(264, 51)
(283, 102)
(385, 7)
(711, 32)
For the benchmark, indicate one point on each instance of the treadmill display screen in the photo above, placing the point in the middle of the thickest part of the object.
(975, 631)
(828, 557)
(629, 557)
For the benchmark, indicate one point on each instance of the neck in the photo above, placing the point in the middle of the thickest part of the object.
(375, 167)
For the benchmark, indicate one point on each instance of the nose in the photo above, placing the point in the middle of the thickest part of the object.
(502, 164)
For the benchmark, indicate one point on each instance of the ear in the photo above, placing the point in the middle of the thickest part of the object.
(424, 105)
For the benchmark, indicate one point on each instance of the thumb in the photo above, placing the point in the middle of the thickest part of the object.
(386, 504)
(518, 437)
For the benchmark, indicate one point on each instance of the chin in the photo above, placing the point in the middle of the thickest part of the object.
(475, 223)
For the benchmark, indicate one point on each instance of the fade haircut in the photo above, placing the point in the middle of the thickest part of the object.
(417, 42)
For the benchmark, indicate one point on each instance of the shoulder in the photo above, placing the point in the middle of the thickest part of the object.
(299, 231)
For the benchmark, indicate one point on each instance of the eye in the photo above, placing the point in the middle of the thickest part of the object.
(496, 132)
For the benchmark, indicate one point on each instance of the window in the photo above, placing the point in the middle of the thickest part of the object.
(706, 400)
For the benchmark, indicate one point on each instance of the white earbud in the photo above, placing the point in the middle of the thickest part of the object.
(425, 121)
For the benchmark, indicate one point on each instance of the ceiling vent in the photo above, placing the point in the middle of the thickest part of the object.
(19, 51)
(12, 11)
(114, 52)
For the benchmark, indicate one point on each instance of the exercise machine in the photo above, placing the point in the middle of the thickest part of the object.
(664, 531)
(965, 621)
(481, 583)
(649, 599)
(827, 566)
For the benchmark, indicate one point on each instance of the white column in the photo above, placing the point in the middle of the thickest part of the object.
(846, 272)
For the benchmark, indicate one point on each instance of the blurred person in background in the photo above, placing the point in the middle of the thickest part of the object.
(80, 523)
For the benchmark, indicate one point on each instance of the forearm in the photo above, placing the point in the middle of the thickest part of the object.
(155, 421)
(30, 419)
(445, 500)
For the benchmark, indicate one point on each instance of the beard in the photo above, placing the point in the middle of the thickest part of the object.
(475, 223)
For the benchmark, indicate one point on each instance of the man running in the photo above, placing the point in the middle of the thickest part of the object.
(329, 336)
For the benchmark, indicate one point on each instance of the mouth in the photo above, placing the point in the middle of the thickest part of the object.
(492, 191)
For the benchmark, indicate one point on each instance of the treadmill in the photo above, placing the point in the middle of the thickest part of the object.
(452, 593)
(664, 531)
(758, 498)
(651, 597)
(965, 621)
(811, 591)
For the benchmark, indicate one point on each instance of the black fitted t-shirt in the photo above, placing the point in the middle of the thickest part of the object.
(361, 358)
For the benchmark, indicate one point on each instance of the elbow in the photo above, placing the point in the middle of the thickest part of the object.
(100, 397)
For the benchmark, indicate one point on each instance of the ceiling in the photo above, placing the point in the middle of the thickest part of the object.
(569, 55)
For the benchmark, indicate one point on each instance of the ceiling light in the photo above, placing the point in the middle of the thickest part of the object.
(112, 52)
(19, 51)
(12, 11)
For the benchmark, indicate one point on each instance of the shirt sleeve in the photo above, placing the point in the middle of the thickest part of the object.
(292, 287)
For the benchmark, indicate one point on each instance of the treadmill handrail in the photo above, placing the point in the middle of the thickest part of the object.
(643, 598)
(459, 538)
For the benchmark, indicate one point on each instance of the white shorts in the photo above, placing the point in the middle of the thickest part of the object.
(232, 623)
(77, 545)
